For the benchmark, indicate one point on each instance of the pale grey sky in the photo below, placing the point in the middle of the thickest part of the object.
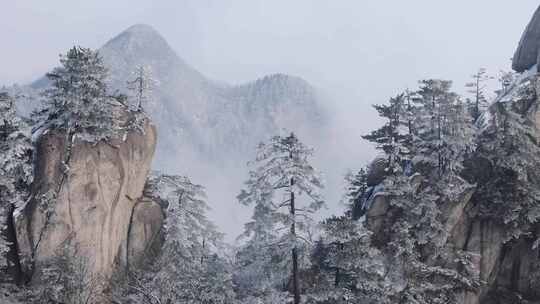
(343, 41)
(363, 51)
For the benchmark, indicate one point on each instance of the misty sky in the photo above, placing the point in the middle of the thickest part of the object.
(359, 52)
(372, 47)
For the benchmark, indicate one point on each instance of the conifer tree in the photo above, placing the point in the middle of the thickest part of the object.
(78, 102)
(477, 88)
(283, 188)
(353, 270)
(188, 269)
(15, 168)
(442, 133)
(389, 138)
(356, 188)
(142, 85)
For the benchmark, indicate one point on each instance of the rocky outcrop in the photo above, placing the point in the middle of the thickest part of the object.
(492, 218)
(96, 206)
(526, 55)
(144, 235)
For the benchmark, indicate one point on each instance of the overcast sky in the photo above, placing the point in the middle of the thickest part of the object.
(371, 47)
(346, 42)
(358, 50)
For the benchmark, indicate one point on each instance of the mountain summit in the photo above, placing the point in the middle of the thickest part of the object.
(198, 118)
(142, 44)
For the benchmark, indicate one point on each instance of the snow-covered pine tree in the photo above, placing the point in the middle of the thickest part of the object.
(506, 79)
(261, 265)
(78, 101)
(284, 190)
(411, 239)
(141, 86)
(356, 186)
(439, 127)
(509, 140)
(477, 88)
(188, 270)
(409, 113)
(352, 270)
(459, 137)
(188, 226)
(431, 270)
(15, 167)
(390, 138)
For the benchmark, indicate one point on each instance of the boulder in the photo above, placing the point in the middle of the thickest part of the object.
(145, 232)
(526, 55)
(97, 194)
(377, 212)
(377, 171)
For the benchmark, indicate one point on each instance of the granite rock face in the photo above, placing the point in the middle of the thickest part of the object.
(145, 233)
(527, 53)
(99, 211)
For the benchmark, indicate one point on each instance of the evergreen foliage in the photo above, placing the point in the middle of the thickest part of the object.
(477, 88)
(390, 138)
(443, 133)
(79, 102)
(284, 191)
(406, 259)
(188, 269)
(142, 86)
(15, 166)
(509, 148)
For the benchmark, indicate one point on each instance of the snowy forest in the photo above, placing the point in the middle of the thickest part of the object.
(447, 212)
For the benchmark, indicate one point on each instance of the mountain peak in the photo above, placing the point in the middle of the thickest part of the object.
(141, 35)
(141, 28)
(141, 44)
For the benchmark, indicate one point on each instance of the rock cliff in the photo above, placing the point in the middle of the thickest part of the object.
(88, 197)
(527, 52)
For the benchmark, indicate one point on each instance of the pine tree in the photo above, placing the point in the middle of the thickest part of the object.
(442, 133)
(477, 88)
(283, 189)
(188, 269)
(356, 188)
(15, 168)
(78, 102)
(390, 138)
(187, 224)
(410, 243)
(141, 86)
(261, 265)
(354, 271)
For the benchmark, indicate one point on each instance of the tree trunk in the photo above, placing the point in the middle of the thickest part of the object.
(296, 288)
(14, 263)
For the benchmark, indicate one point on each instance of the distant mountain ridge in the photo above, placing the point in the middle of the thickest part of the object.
(205, 120)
